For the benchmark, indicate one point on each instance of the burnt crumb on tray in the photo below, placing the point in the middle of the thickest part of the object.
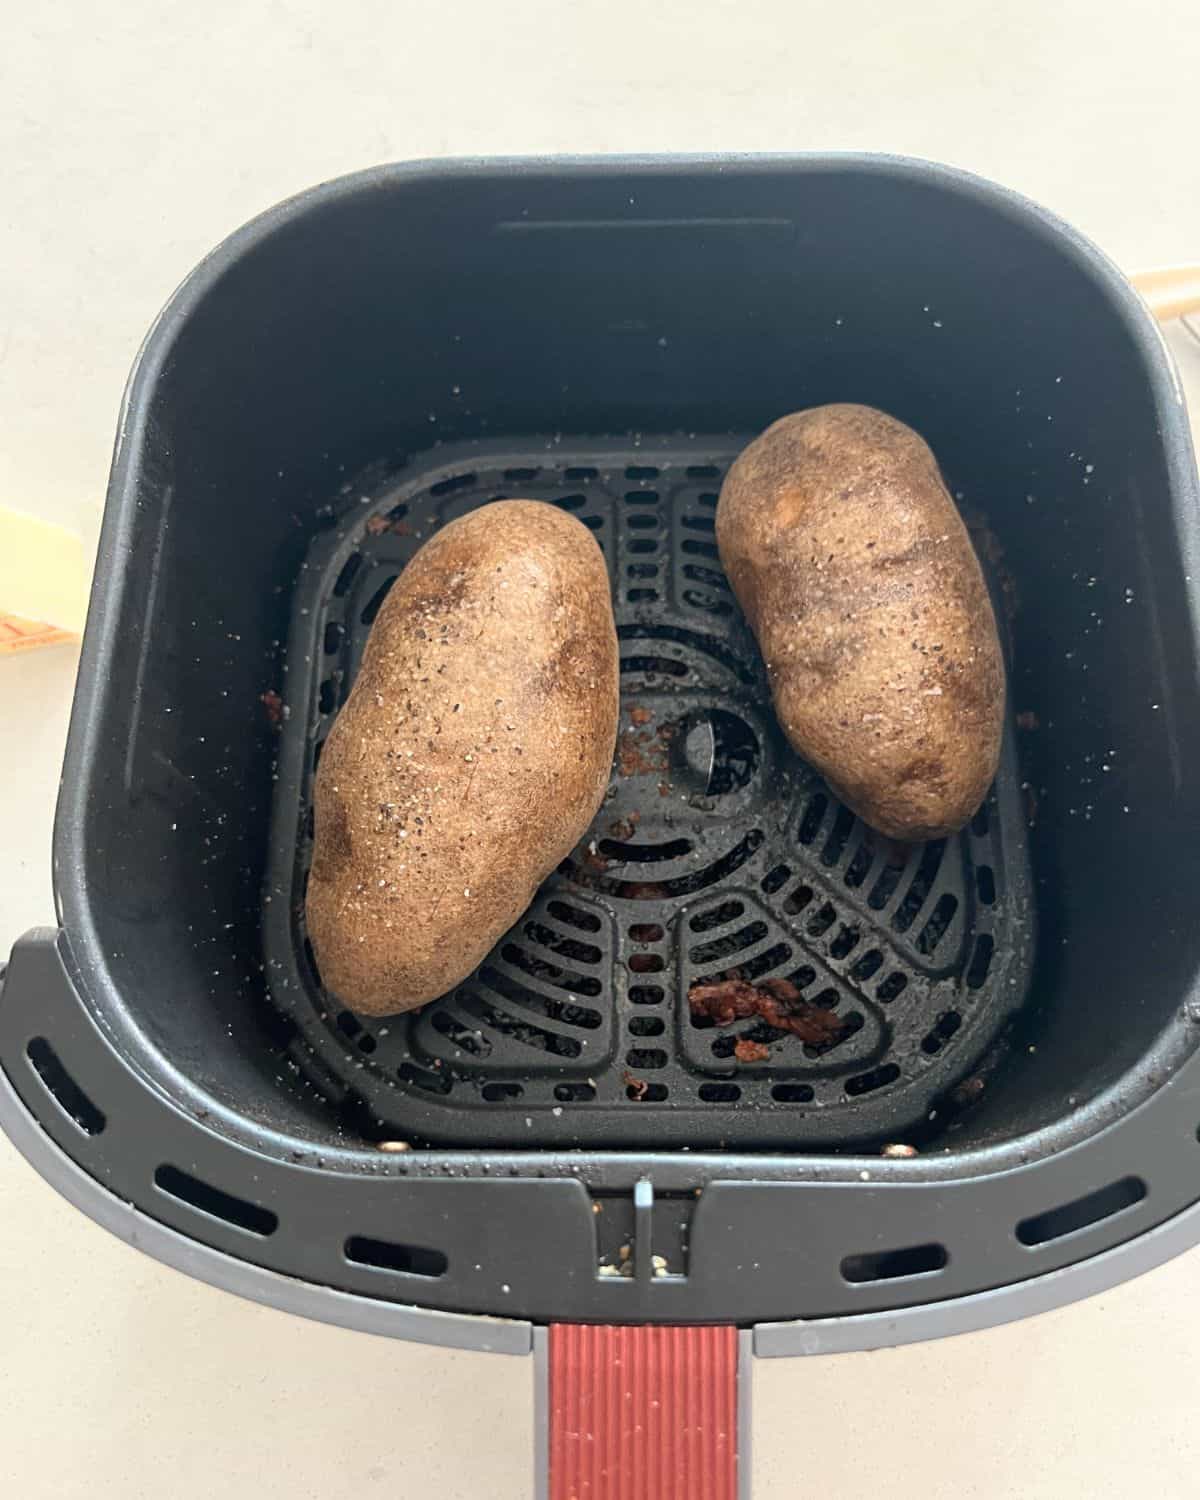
(747, 1050)
(274, 707)
(777, 1001)
(638, 1087)
(624, 828)
(378, 525)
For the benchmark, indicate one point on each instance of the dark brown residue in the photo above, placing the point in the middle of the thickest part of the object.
(625, 828)
(1027, 719)
(640, 716)
(377, 525)
(777, 1001)
(273, 704)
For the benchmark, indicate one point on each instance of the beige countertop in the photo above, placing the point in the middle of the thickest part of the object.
(134, 138)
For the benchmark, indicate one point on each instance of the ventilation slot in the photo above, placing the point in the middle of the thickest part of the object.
(646, 1057)
(821, 921)
(716, 916)
(646, 963)
(939, 921)
(62, 1088)
(574, 1093)
(922, 884)
(856, 870)
(209, 1200)
(719, 1093)
(386, 1255)
(458, 482)
(730, 944)
(937, 1037)
(877, 1078)
(575, 916)
(644, 854)
(653, 666)
(845, 942)
(798, 900)
(838, 835)
(892, 987)
(1081, 1213)
(895, 1265)
(814, 815)
(375, 603)
(981, 960)
(792, 1093)
(346, 577)
(775, 879)
(646, 1026)
(985, 879)
(645, 1093)
(867, 965)
(499, 1093)
(706, 602)
(646, 932)
(646, 994)
(709, 577)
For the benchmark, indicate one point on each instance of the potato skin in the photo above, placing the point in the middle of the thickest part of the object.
(858, 578)
(473, 752)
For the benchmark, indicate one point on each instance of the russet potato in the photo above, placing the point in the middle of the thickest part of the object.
(472, 753)
(858, 578)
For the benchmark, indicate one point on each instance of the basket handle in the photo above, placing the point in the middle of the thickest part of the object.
(642, 1412)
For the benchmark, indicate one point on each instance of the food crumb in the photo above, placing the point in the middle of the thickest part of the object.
(777, 1001)
(748, 1051)
(640, 716)
(273, 703)
(638, 1087)
(1027, 719)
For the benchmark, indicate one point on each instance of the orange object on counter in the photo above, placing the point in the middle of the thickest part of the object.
(17, 634)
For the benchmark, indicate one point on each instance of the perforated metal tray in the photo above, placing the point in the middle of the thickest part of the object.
(717, 852)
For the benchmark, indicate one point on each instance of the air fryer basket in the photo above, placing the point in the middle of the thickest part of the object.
(381, 353)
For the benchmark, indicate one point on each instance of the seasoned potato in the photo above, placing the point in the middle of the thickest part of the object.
(857, 575)
(472, 754)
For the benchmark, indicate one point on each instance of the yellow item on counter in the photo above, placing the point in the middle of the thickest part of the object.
(44, 577)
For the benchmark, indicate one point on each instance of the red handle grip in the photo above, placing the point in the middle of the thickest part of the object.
(642, 1413)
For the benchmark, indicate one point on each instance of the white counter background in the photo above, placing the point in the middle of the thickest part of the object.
(132, 138)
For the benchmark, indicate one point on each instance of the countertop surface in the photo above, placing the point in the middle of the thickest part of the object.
(134, 139)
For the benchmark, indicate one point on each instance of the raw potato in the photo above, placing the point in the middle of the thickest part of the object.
(857, 575)
(470, 757)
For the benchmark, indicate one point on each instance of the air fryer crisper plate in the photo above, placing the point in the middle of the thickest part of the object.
(717, 852)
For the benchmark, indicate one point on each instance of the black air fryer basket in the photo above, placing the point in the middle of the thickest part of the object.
(558, 1140)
